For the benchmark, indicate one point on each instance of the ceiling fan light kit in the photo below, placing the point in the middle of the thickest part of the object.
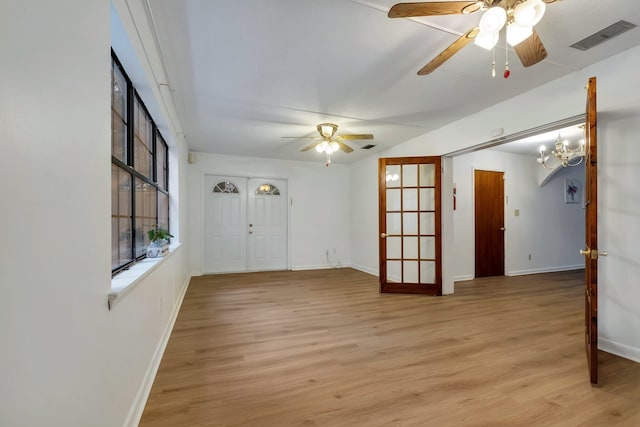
(518, 16)
(328, 142)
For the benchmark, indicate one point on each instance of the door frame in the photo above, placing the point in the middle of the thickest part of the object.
(203, 179)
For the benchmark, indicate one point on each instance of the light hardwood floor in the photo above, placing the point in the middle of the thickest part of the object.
(324, 348)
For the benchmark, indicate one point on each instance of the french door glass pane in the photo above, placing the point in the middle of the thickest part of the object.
(427, 248)
(410, 272)
(427, 199)
(393, 223)
(427, 272)
(409, 199)
(427, 175)
(409, 175)
(394, 247)
(427, 223)
(410, 222)
(410, 247)
(392, 176)
(394, 271)
(393, 200)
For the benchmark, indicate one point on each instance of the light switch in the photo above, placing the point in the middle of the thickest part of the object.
(516, 212)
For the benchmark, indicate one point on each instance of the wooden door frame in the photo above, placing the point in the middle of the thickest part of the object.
(591, 252)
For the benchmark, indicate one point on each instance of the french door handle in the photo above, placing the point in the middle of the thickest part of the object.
(383, 235)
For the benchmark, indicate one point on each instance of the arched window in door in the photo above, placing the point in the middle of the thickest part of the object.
(226, 187)
(267, 190)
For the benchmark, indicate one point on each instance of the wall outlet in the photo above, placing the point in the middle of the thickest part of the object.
(516, 212)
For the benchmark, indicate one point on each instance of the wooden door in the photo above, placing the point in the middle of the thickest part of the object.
(267, 218)
(489, 223)
(410, 225)
(591, 234)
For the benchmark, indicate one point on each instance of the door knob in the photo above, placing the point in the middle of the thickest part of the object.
(383, 235)
(501, 228)
(603, 253)
(585, 252)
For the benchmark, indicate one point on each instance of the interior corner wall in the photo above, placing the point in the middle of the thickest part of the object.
(619, 210)
(66, 359)
(319, 208)
(546, 227)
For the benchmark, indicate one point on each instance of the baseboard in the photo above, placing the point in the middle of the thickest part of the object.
(463, 278)
(318, 267)
(135, 414)
(619, 349)
(545, 270)
(365, 269)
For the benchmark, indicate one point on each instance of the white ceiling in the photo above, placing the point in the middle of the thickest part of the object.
(245, 73)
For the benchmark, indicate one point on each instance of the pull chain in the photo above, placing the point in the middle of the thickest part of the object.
(507, 72)
(493, 64)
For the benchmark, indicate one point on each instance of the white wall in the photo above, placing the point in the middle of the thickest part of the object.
(619, 115)
(65, 360)
(547, 228)
(318, 217)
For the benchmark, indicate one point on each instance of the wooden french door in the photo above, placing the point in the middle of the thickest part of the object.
(410, 225)
(489, 223)
(591, 234)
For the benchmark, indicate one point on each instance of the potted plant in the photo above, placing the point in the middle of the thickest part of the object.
(159, 238)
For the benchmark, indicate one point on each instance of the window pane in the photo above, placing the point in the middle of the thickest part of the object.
(163, 210)
(118, 114)
(161, 162)
(118, 137)
(142, 141)
(121, 235)
(146, 205)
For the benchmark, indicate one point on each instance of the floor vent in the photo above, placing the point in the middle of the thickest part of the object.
(368, 147)
(603, 35)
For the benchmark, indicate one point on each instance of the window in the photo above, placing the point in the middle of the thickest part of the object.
(267, 190)
(139, 173)
(226, 187)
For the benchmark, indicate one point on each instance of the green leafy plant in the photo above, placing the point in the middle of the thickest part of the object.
(158, 233)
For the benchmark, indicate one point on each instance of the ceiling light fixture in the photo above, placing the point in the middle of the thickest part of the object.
(519, 22)
(563, 154)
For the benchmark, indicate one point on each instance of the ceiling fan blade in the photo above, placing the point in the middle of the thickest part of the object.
(344, 147)
(407, 10)
(531, 51)
(464, 40)
(299, 137)
(310, 146)
(356, 136)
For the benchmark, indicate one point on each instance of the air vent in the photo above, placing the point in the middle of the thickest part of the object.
(610, 32)
(368, 147)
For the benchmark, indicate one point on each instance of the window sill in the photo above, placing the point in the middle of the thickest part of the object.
(126, 280)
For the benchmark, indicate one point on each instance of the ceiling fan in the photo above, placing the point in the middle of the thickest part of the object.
(519, 16)
(328, 142)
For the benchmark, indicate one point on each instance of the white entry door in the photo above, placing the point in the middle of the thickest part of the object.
(267, 217)
(245, 224)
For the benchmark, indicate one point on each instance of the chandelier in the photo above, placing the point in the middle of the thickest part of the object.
(564, 153)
